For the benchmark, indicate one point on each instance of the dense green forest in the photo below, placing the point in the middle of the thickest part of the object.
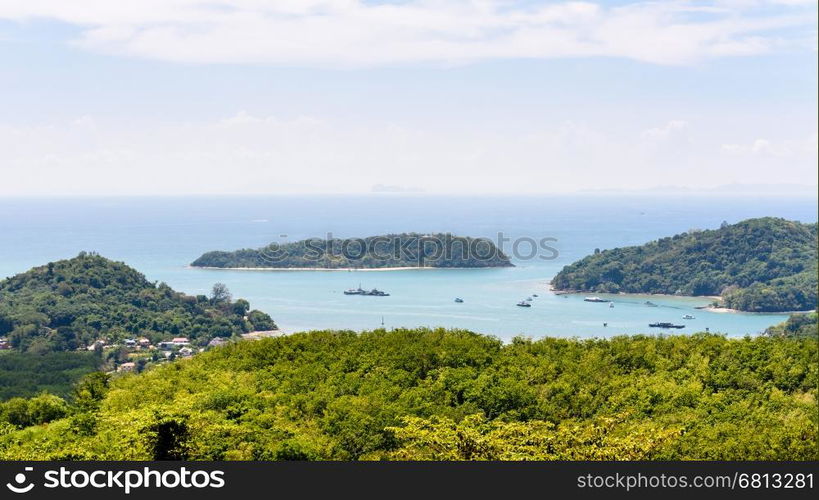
(67, 305)
(759, 265)
(392, 250)
(26, 374)
(440, 394)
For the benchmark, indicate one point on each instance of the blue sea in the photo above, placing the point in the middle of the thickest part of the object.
(161, 236)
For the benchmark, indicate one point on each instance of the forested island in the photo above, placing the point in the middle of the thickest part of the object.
(757, 265)
(405, 250)
(69, 317)
(434, 394)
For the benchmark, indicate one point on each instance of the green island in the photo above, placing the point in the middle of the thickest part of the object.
(405, 250)
(67, 318)
(435, 394)
(757, 265)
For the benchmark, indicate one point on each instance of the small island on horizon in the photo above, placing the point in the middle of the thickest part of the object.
(383, 252)
(766, 264)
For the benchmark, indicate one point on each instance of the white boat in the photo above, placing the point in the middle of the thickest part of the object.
(688, 316)
(595, 299)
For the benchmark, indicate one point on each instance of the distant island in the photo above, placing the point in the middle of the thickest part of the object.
(391, 251)
(757, 265)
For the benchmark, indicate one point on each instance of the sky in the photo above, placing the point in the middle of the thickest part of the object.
(171, 97)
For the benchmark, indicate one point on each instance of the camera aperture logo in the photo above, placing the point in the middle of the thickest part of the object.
(125, 480)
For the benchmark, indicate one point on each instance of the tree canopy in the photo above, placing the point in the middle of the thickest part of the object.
(423, 394)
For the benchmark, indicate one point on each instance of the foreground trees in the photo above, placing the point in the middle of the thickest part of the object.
(451, 395)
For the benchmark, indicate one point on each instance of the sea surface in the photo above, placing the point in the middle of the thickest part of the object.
(161, 236)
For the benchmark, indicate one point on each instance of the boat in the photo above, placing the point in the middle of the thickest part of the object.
(664, 324)
(595, 299)
(459, 300)
(535, 295)
(611, 305)
(650, 304)
(528, 299)
(375, 292)
(688, 316)
(523, 303)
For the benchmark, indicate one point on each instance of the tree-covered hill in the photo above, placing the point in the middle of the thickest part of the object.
(443, 395)
(796, 326)
(392, 250)
(69, 304)
(761, 265)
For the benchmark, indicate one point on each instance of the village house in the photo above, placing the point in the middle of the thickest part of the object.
(217, 341)
(126, 367)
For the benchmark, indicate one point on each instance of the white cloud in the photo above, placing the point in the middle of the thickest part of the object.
(358, 33)
(784, 149)
(668, 131)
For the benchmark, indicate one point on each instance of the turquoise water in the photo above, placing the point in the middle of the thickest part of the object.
(160, 236)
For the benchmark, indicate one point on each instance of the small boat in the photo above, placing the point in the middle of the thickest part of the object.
(664, 324)
(611, 305)
(595, 299)
(375, 292)
(528, 299)
(523, 303)
(459, 300)
(605, 324)
(650, 304)
(688, 316)
(535, 295)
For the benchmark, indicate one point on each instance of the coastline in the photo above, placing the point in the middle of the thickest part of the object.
(708, 307)
(625, 294)
(737, 311)
(349, 269)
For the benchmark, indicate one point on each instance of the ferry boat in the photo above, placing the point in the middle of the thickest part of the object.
(595, 299)
(375, 292)
(664, 324)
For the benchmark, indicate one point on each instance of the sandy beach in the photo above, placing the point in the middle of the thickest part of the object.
(728, 310)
